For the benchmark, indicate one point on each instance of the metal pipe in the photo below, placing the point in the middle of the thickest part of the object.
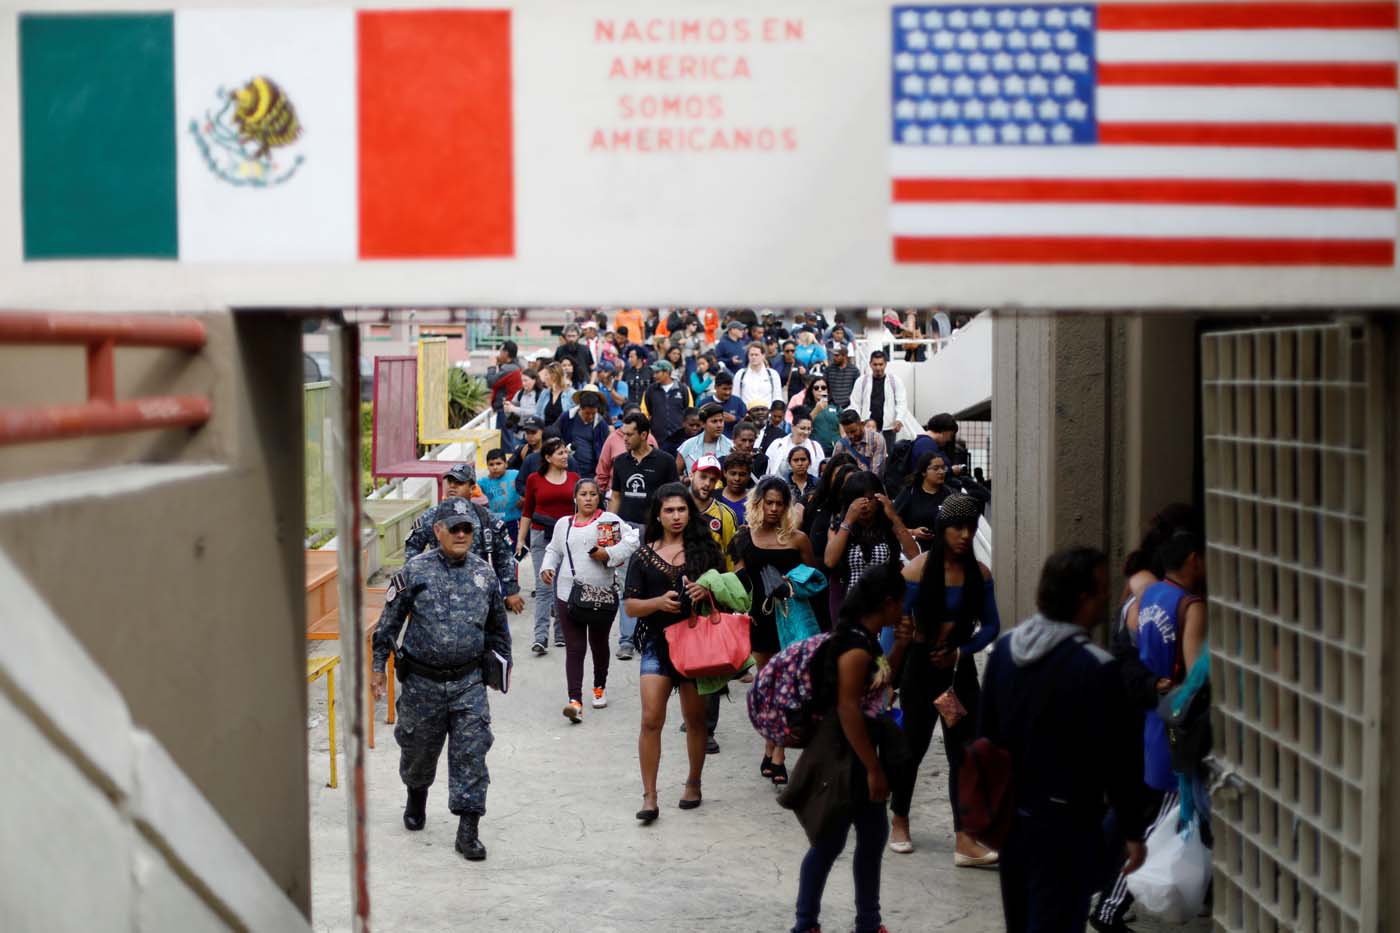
(55, 422)
(102, 371)
(345, 450)
(125, 330)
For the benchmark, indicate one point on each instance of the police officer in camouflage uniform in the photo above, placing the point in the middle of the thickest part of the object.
(490, 540)
(443, 617)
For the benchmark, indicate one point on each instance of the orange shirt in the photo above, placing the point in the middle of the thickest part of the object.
(636, 323)
(710, 318)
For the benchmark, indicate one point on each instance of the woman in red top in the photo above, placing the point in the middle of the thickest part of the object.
(549, 496)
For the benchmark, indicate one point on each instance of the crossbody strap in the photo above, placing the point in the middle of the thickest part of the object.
(568, 551)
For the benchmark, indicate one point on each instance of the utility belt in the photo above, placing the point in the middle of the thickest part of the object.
(405, 667)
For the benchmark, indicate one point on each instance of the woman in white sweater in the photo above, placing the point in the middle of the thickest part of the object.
(801, 436)
(585, 550)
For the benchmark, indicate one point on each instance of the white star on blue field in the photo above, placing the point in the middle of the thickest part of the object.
(993, 75)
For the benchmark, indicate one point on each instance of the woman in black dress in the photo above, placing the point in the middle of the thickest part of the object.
(770, 538)
(918, 503)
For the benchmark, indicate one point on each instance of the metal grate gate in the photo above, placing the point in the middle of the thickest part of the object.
(1293, 490)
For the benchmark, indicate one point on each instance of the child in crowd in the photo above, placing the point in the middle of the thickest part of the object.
(738, 472)
(501, 496)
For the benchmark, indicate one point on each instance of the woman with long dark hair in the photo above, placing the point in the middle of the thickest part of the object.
(955, 616)
(524, 402)
(770, 538)
(826, 420)
(864, 530)
(661, 587)
(832, 477)
(853, 683)
(918, 503)
(549, 496)
(800, 480)
(586, 550)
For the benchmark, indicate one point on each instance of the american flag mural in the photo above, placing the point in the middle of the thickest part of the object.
(1197, 134)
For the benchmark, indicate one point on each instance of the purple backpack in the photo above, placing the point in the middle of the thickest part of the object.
(781, 699)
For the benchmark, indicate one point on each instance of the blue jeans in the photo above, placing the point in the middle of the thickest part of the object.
(872, 831)
(626, 625)
(544, 592)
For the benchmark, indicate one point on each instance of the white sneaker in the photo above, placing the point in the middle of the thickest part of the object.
(600, 699)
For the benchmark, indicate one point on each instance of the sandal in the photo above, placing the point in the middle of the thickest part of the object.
(780, 774)
(766, 768)
(690, 804)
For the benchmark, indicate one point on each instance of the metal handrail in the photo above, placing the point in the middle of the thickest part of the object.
(103, 413)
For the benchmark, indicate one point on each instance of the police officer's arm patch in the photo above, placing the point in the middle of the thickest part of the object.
(398, 584)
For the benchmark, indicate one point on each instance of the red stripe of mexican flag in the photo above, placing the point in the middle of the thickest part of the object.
(435, 134)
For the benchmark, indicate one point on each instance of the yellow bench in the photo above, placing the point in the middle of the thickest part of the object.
(315, 667)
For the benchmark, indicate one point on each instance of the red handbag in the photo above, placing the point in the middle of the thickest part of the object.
(713, 645)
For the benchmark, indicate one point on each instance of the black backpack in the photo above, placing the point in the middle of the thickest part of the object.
(898, 465)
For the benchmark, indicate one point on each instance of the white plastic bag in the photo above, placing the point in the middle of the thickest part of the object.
(1172, 882)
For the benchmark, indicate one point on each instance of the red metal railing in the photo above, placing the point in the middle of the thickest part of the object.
(103, 413)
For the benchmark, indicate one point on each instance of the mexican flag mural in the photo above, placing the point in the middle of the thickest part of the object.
(266, 135)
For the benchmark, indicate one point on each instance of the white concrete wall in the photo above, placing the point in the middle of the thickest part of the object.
(959, 375)
(102, 831)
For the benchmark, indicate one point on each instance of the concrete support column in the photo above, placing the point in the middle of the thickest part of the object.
(1162, 404)
(1053, 406)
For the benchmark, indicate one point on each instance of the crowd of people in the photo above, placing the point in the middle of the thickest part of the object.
(653, 480)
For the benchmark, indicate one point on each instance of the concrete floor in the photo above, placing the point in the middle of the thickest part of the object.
(566, 854)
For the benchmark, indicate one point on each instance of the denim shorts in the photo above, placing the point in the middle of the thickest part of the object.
(658, 663)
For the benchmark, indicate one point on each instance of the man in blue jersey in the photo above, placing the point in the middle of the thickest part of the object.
(1170, 621)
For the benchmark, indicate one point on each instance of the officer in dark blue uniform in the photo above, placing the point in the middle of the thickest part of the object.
(445, 620)
(490, 541)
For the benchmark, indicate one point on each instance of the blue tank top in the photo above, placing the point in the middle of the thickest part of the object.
(1159, 639)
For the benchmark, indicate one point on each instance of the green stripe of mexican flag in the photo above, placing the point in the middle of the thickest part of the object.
(266, 134)
(97, 110)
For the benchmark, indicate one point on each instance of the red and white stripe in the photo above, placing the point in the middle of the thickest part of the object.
(1229, 134)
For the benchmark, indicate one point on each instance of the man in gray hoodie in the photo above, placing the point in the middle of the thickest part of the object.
(1055, 701)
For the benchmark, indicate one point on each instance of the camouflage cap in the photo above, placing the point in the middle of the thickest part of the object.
(454, 511)
(462, 473)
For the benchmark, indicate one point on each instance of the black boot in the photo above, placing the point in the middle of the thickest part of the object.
(414, 815)
(468, 843)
